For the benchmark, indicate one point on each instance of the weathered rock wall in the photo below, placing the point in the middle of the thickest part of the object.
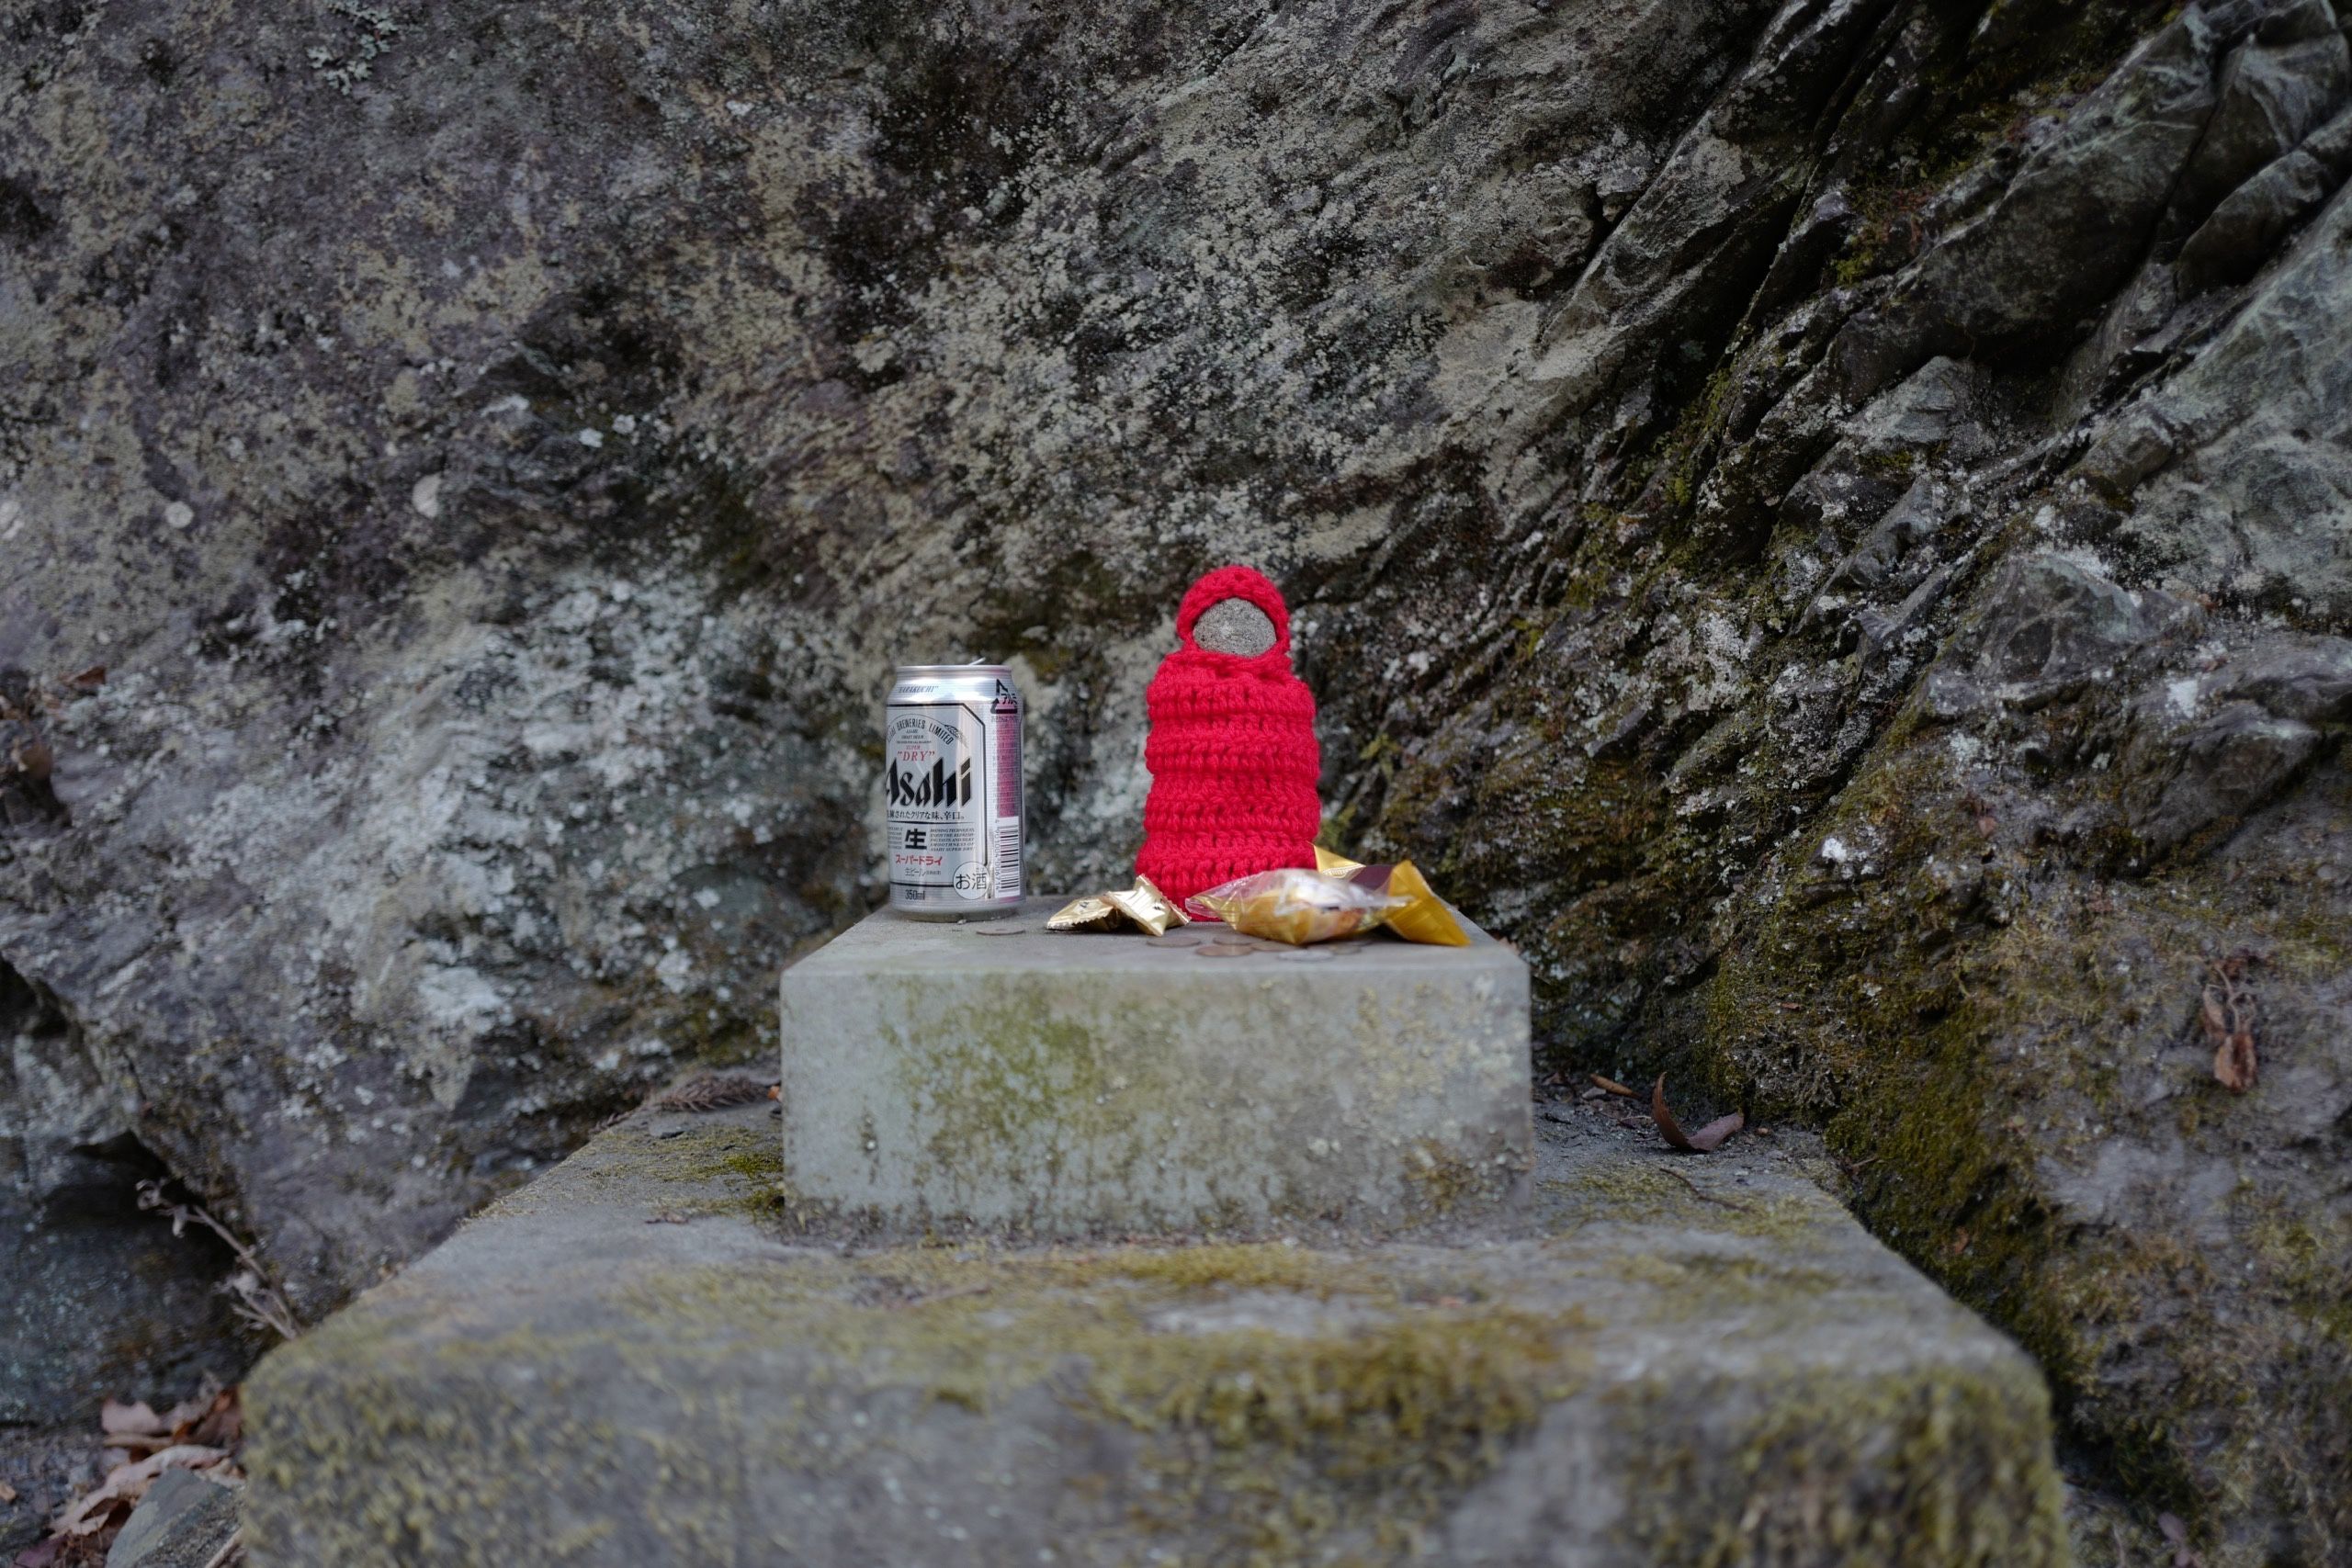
(1831, 526)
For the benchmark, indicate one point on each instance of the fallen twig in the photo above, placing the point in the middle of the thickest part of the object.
(258, 1301)
(1706, 1196)
(2225, 1010)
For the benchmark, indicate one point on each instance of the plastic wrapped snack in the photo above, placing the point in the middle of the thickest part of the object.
(1296, 906)
(1424, 916)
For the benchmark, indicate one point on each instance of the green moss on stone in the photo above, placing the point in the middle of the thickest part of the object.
(1241, 1266)
(1841, 1470)
(1385, 1412)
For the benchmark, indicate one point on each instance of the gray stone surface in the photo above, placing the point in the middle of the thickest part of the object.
(2252, 495)
(46, 1467)
(1235, 626)
(999, 1073)
(1665, 1362)
(182, 1522)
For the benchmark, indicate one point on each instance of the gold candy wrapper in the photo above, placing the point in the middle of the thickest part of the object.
(1094, 914)
(1142, 906)
(1423, 915)
(1297, 906)
(1148, 907)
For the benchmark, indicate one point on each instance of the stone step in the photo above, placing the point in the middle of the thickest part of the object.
(993, 1074)
(644, 1357)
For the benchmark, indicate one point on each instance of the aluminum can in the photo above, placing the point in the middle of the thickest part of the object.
(950, 791)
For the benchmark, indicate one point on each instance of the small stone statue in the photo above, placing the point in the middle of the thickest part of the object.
(1232, 753)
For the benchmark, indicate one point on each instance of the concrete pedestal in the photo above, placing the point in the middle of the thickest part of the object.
(1419, 1334)
(997, 1074)
(1661, 1361)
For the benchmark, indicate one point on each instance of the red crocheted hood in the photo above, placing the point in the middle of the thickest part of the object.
(1235, 582)
(1231, 752)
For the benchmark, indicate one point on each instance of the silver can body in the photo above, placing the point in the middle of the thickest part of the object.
(950, 791)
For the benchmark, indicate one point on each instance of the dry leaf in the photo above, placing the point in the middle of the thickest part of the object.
(117, 1419)
(2233, 1062)
(1613, 1087)
(1698, 1143)
(2225, 1010)
(136, 1428)
(712, 1092)
(1712, 1136)
(222, 1424)
(96, 675)
(188, 1412)
(129, 1483)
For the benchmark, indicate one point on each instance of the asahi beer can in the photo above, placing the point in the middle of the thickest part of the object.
(951, 784)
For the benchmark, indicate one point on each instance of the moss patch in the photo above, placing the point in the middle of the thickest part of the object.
(1785, 1487)
(1274, 1439)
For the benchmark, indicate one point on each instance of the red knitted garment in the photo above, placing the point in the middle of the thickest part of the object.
(1232, 752)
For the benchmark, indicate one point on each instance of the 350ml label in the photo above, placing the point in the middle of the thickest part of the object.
(954, 817)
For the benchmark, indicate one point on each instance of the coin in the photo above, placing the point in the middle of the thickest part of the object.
(997, 929)
(1223, 950)
(1309, 952)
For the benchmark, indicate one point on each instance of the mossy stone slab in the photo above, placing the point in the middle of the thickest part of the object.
(1659, 1361)
(997, 1073)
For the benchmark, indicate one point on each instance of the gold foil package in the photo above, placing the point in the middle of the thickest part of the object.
(1089, 914)
(1142, 907)
(1148, 907)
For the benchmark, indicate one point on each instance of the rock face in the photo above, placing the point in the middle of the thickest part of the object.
(1830, 526)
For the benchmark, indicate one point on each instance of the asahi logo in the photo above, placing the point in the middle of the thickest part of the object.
(934, 786)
